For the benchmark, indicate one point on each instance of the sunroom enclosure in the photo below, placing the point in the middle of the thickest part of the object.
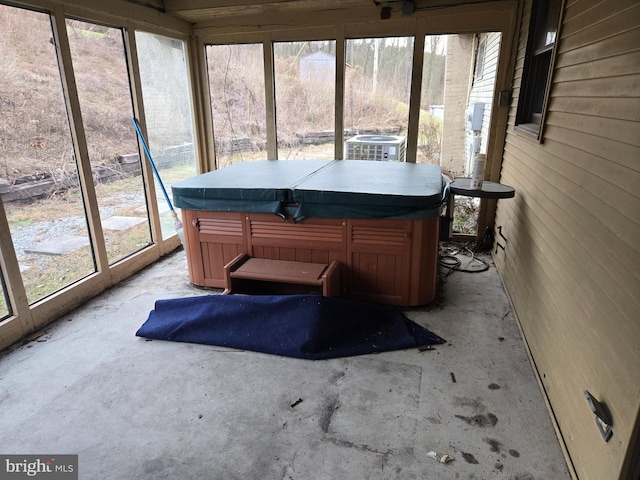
(566, 140)
(376, 81)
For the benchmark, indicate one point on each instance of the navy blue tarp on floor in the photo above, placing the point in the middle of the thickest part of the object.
(301, 326)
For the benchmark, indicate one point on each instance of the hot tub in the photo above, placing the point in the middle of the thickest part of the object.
(378, 220)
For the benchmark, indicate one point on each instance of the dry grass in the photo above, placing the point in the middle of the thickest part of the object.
(33, 125)
(34, 130)
(47, 273)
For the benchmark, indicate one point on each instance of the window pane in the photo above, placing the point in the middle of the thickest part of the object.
(167, 106)
(432, 103)
(546, 26)
(42, 201)
(305, 77)
(377, 90)
(236, 83)
(5, 306)
(105, 100)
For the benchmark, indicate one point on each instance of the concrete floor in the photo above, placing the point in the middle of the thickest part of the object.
(137, 409)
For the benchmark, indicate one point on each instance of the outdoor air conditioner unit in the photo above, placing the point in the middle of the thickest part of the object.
(385, 148)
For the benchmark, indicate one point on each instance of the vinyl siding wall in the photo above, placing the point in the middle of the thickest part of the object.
(572, 263)
(483, 87)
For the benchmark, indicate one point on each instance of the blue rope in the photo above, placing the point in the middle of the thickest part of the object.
(153, 165)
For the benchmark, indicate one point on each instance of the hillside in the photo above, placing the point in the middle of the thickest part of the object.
(34, 132)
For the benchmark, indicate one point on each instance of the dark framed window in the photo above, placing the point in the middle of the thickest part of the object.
(543, 33)
(482, 47)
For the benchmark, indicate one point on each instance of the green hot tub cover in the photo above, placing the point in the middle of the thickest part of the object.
(261, 186)
(316, 188)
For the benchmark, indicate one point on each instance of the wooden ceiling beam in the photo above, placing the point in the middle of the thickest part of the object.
(171, 6)
(203, 13)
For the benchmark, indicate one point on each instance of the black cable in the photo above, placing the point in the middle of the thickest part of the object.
(450, 262)
(453, 263)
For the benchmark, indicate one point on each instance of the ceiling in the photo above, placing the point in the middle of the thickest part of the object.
(201, 11)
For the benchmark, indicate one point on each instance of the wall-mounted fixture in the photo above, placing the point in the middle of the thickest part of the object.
(603, 419)
(408, 7)
(504, 98)
(498, 244)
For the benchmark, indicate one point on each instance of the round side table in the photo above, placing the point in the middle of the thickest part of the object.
(462, 186)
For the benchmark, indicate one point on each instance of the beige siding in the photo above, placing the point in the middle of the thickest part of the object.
(572, 260)
(483, 87)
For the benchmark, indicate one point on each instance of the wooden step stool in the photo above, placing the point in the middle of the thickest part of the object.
(283, 271)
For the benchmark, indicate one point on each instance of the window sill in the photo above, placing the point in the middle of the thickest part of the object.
(529, 129)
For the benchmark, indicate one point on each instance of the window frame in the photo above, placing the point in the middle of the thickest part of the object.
(27, 317)
(538, 70)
